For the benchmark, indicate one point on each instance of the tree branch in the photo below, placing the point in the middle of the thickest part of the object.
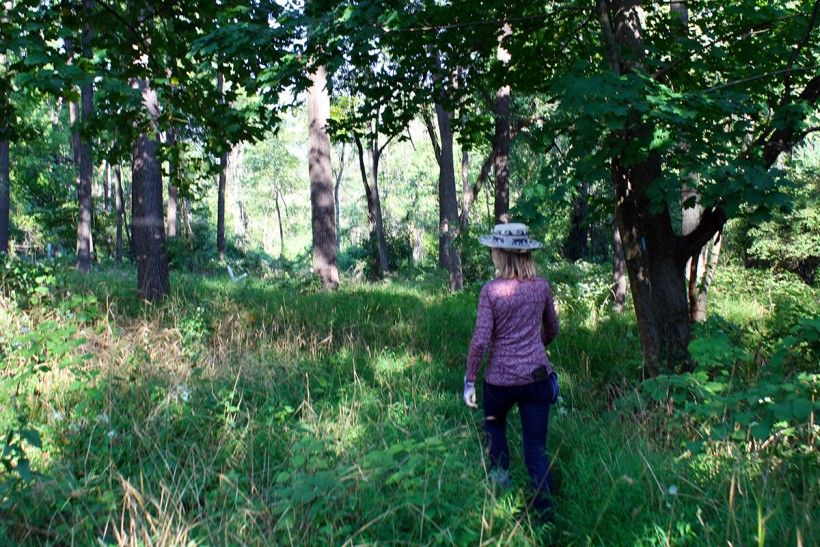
(711, 222)
(431, 130)
(473, 191)
(787, 80)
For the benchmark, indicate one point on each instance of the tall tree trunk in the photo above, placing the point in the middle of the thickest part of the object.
(222, 183)
(443, 246)
(375, 155)
(281, 229)
(375, 223)
(501, 155)
(108, 195)
(5, 194)
(501, 140)
(323, 216)
(465, 189)
(146, 207)
(448, 228)
(576, 245)
(120, 206)
(171, 222)
(85, 167)
(336, 195)
(618, 273)
(5, 167)
(656, 272)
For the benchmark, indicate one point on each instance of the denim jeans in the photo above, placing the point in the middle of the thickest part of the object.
(534, 406)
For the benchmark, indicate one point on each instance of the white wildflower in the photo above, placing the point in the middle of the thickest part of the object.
(111, 434)
(57, 416)
(673, 490)
(103, 418)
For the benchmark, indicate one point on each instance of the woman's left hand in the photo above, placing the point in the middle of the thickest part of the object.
(469, 394)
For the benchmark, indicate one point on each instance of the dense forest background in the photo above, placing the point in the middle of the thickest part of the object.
(239, 266)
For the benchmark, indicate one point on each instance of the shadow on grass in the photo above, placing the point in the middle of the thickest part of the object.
(255, 413)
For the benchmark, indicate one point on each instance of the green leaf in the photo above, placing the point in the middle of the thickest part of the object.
(801, 408)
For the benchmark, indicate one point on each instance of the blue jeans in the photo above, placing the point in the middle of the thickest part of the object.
(534, 406)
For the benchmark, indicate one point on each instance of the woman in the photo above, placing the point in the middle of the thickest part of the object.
(516, 321)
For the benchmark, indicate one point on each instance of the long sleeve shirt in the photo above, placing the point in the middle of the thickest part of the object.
(516, 321)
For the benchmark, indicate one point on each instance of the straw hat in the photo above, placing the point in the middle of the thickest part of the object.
(510, 237)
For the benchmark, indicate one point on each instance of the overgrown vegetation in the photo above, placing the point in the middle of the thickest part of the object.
(227, 414)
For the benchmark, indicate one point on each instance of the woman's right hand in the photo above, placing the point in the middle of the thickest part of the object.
(469, 394)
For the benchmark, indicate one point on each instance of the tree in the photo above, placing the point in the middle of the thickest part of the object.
(375, 219)
(641, 149)
(323, 218)
(501, 140)
(146, 206)
(85, 167)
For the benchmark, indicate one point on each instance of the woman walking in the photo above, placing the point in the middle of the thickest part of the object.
(516, 321)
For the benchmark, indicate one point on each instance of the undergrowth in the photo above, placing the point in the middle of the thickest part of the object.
(268, 412)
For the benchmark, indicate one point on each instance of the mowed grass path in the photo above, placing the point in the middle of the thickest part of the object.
(270, 413)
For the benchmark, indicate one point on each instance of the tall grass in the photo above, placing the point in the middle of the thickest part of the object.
(259, 413)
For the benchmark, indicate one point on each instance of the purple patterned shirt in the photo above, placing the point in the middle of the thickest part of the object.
(516, 320)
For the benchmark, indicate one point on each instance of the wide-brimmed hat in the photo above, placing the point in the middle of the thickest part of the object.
(510, 236)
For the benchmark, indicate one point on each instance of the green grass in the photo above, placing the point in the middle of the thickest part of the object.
(267, 413)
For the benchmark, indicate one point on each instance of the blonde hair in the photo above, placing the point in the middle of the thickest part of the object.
(512, 265)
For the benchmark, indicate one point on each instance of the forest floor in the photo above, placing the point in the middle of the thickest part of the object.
(268, 412)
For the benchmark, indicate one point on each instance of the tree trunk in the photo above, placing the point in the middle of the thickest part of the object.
(375, 223)
(336, 198)
(323, 216)
(5, 167)
(618, 273)
(173, 192)
(501, 140)
(222, 183)
(5, 194)
(375, 155)
(501, 153)
(281, 230)
(108, 195)
(465, 189)
(448, 229)
(576, 245)
(710, 259)
(120, 206)
(146, 208)
(85, 167)
(84, 182)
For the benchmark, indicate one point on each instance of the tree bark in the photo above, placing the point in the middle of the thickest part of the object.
(5, 166)
(336, 198)
(85, 170)
(5, 194)
(108, 195)
(465, 188)
(501, 153)
(501, 140)
(85, 167)
(448, 229)
(576, 245)
(171, 221)
(375, 156)
(375, 221)
(618, 273)
(146, 208)
(120, 206)
(281, 230)
(323, 216)
(443, 246)
(222, 183)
